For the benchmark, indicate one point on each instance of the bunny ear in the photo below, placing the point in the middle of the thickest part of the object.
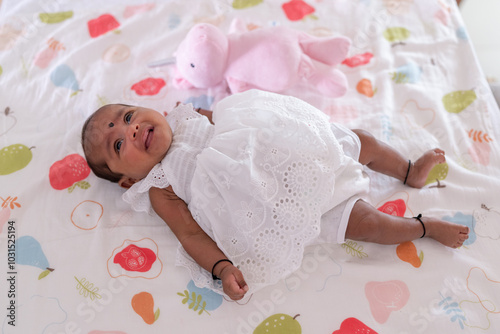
(162, 62)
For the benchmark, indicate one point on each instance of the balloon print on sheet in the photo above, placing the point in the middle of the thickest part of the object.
(408, 73)
(63, 76)
(29, 252)
(143, 304)
(135, 259)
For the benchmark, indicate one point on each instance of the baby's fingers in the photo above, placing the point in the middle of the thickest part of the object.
(240, 280)
(236, 287)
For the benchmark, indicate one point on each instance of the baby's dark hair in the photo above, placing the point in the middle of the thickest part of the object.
(99, 168)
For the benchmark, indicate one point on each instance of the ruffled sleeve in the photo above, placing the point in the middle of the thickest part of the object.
(138, 195)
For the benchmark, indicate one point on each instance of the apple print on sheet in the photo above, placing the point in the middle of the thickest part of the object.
(69, 173)
(101, 25)
(296, 10)
(353, 325)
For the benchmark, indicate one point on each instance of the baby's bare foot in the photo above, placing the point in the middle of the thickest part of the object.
(419, 170)
(449, 234)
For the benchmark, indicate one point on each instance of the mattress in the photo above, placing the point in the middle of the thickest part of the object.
(414, 83)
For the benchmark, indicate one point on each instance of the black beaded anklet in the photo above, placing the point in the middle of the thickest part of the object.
(420, 220)
(408, 171)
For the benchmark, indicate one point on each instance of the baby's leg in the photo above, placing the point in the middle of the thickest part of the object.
(382, 158)
(368, 224)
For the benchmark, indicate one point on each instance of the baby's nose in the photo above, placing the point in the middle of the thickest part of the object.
(135, 130)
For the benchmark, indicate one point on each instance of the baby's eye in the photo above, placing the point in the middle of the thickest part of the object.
(118, 145)
(128, 117)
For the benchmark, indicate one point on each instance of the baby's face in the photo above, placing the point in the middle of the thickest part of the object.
(132, 140)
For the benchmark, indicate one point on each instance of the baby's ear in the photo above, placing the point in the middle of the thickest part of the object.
(126, 182)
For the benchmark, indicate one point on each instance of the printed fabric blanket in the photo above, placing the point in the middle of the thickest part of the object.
(76, 259)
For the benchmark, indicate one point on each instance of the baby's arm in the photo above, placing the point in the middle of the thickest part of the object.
(195, 241)
(207, 113)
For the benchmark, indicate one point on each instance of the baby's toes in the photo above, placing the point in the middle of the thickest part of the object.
(439, 156)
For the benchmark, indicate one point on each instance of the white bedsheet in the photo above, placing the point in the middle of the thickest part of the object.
(54, 74)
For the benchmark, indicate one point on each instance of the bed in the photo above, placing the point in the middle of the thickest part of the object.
(414, 82)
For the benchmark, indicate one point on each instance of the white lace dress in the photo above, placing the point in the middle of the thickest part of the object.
(267, 180)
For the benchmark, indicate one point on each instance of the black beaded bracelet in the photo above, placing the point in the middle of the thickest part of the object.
(216, 263)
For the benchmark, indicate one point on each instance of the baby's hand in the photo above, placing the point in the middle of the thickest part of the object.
(233, 282)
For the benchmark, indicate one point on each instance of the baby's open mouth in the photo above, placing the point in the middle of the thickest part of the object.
(149, 137)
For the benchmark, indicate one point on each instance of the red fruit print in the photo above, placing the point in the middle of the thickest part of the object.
(69, 173)
(149, 86)
(394, 208)
(133, 258)
(102, 25)
(296, 10)
(358, 60)
(354, 326)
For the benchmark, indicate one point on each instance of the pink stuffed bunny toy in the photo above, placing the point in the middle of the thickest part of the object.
(272, 59)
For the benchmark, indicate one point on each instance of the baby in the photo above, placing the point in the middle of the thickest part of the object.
(246, 192)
